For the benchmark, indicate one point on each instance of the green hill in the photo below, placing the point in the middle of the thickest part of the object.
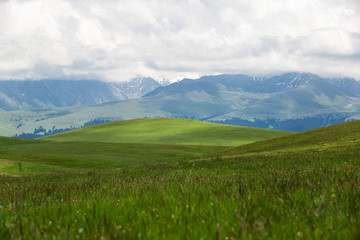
(301, 186)
(345, 134)
(124, 143)
(168, 131)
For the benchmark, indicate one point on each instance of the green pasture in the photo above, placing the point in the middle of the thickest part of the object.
(301, 186)
(40, 156)
(168, 131)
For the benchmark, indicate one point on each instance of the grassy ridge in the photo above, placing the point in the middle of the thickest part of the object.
(347, 134)
(168, 131)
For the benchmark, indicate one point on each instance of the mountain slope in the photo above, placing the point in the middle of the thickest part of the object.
(136, 88)
(45, 94)
(291, 95)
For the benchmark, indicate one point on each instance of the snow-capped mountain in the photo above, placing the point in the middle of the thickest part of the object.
(135, 88)
(46, 94)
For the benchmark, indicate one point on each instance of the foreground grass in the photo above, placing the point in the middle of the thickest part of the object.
(280, 196)
(304, 186)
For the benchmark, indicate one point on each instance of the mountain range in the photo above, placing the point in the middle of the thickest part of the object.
(265, 102)
(53, 93)
(293, 101)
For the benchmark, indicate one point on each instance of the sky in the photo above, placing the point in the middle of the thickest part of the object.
(174, 39)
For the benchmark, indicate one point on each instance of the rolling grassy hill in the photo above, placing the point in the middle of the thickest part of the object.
(167, 131)
(124, 143)
(341, 135)
(301, 186)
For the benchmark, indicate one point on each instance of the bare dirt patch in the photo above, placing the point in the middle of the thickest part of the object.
(5, 163)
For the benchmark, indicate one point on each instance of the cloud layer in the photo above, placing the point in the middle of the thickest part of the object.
(117, 40)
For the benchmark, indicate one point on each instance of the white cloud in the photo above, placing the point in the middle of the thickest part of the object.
(117, 40)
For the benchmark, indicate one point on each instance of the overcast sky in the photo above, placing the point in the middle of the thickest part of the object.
(173, 39)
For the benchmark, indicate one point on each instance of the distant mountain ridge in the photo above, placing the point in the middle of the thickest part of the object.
(293, 101)
(251, 84)
(286, 96)
(52, 93)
